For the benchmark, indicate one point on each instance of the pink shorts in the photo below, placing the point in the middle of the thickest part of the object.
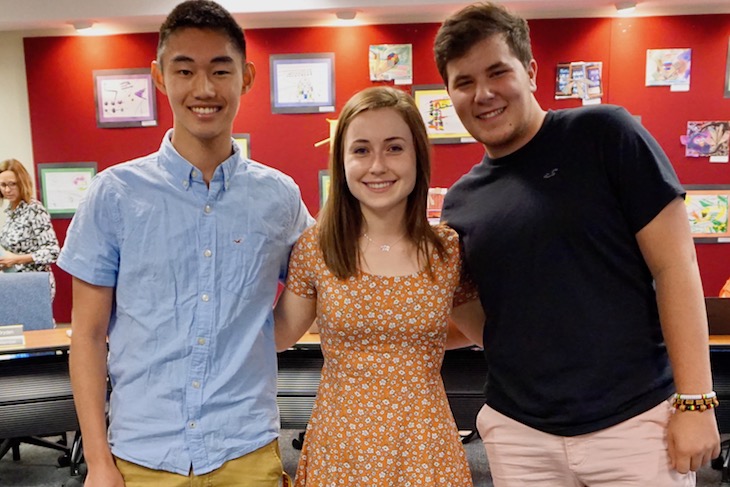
(629, 454)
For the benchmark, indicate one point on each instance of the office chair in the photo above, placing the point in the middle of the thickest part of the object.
(25, 298)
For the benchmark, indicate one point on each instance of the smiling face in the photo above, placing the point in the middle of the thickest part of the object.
(203, 75)
(9, 187)
(380, 161)
(492, 92)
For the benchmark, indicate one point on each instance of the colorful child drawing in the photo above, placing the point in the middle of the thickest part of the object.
(708, 213)
(305, 90)
(436, 109)
(666, 67)
(579, 80)
(124, 98)
(391, 62)
(707, 139)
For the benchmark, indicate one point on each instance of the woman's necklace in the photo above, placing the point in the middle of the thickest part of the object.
(383, 247)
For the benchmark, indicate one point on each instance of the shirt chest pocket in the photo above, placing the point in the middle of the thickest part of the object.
(248, 261)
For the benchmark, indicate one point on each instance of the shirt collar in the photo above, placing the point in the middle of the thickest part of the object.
(9, 211)
(182, 170)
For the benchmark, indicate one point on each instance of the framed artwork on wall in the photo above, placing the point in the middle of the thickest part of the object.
(391, 62)
(324, 187)
(302, 83)
(244, 142)
(63, 185)
(709, 139)
(124, 98)
(669, 67)
(582, 80)
(442, 123)
(707, 210)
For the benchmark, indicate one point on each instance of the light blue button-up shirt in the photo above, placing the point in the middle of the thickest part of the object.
(192, 359)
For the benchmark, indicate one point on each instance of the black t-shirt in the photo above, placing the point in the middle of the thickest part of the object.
(572, 339)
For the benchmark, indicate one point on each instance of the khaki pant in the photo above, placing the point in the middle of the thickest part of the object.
(629, 454)
(260, 468)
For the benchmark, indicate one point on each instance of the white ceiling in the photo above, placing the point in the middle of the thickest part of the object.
(53, 17)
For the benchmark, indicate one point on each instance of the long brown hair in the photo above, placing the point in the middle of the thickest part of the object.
(340, 221)
(25, 185)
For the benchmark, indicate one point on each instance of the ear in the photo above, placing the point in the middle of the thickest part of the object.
(532, 73)
(157, 77)
(249, 74)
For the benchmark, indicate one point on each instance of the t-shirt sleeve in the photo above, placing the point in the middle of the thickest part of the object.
(466, 289)
(301, 277)
(639, 169)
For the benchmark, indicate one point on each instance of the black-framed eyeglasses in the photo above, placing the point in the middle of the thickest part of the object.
(9, 185)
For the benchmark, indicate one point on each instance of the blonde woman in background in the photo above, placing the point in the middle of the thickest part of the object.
(27, 237)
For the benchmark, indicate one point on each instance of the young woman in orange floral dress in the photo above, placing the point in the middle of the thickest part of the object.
(383, 285)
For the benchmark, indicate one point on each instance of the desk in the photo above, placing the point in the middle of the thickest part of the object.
(463, 373)
(35, 387)
(31, 385)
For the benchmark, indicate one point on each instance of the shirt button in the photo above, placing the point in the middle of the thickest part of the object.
(205, 298)
(207, 253)
(185, 183)
(196, 384)
(201, 341)
(192, 425)
(194, 173)
(208, 209)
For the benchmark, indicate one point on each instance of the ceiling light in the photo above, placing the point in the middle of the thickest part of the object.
(82, 25)
(346, 14)
(625, 7)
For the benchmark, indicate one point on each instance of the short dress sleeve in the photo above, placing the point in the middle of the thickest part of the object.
(301, 279)
(466, 290)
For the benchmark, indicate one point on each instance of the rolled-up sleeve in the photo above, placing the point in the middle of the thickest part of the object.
(91, 250)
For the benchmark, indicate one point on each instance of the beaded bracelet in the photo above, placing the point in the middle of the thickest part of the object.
(695, 402)
(709, 395)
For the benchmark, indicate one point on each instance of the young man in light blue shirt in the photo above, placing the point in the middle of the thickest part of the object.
(176, 257)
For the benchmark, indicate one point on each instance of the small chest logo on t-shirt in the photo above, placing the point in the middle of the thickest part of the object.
(550, 174)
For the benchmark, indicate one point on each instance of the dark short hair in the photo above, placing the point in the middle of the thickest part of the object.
(475, 23)
(201, 14)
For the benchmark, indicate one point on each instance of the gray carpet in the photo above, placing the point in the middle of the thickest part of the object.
(37, 466)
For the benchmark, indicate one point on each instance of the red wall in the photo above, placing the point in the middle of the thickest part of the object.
(64, 128)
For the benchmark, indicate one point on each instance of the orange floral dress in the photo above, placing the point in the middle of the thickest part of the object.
(381, 417)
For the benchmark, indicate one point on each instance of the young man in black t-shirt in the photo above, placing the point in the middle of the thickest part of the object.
(575, 231)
